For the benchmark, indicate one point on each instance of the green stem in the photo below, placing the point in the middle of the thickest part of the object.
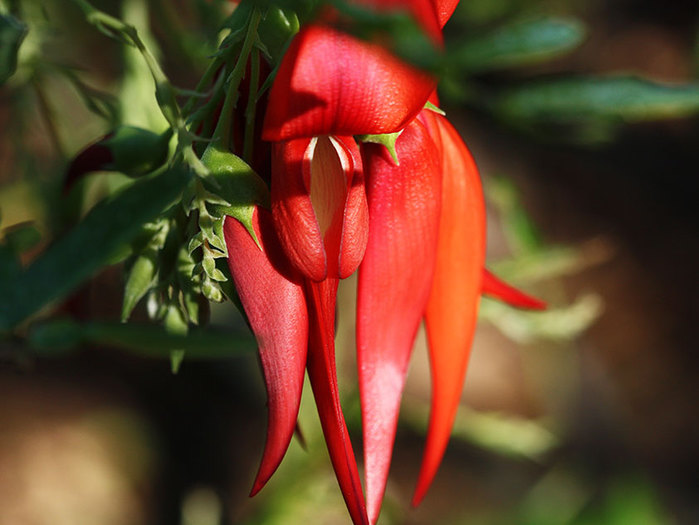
(249, 142)
(222, 133)
(164, 92)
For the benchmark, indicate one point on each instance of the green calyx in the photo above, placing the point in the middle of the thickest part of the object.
(388, 140)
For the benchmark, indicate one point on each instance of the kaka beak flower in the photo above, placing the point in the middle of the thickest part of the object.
(330, 86)
(417, 234)
(320, 212)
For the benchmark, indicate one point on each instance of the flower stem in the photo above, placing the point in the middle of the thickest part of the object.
(248, 142)
(222, 133)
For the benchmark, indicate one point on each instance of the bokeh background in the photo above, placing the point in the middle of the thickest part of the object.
(584, 414)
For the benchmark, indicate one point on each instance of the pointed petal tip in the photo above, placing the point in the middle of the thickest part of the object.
(257, 487)
(495, 287)
(423, 484)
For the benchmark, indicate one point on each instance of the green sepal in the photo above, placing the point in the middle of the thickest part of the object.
(238, 184)
(388, 140)
(137, 151)
(431, 107)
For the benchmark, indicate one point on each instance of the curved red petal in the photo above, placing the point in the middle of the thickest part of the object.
(496, 287)
(292, 209)
(355, 223)
(394, 284)
(276, 309)
(323, 376)
(453, 305)
(331, 83)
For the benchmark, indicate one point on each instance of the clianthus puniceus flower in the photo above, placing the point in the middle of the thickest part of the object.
(411, 220)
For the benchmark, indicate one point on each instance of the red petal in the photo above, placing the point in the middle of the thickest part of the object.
(444, 9)
(331, 83)
(319, 205)
(321, 371)
(394, 284)
(276, 309)
(294, 216)
(453, 305)
(355, 225)
(494, 286)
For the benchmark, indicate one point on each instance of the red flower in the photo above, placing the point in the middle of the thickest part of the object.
(418, 231)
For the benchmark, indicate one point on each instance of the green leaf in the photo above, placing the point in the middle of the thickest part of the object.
(103, 233)
(12, 33)
(579, 99)
(209, 264)
(144, 340)
(517, 44)
(211, 290)
(141, 279)
(56, 336)
(10, 267)
(21, 237)
(137, 151)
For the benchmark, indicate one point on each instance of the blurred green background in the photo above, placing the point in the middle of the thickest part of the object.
(582, 116)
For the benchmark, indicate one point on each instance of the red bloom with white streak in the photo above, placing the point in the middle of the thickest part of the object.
(415, 227)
